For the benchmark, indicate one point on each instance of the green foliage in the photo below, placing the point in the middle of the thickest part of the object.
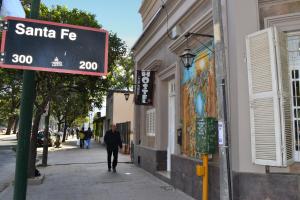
(122, 74)
(79, 121)
(92, 89)
(80, 90)
(10, 91)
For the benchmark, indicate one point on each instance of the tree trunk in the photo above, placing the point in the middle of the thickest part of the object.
(59, 125)
(10, 125)
(65, 132)
(46, 138)
(16, 124)
(33, 145)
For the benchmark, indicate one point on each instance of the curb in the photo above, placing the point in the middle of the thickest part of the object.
(36, 180)
(3, 186)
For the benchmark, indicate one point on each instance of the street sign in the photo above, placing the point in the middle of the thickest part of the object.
(47, 46)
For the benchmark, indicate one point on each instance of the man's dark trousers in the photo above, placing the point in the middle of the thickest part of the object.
(115, 152)
(81, 143)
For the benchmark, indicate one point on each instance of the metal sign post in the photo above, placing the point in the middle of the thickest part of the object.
(221, 69)
(27, 100)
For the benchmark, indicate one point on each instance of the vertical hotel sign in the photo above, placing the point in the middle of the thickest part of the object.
(144, 87)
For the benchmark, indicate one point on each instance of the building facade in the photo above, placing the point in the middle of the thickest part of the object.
(182, 96)
(120, 112)
(118, 109)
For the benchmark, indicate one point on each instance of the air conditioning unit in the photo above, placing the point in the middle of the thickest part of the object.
(270, 98)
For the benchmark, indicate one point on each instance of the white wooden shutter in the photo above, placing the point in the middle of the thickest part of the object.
(285, 97)
(270, 111)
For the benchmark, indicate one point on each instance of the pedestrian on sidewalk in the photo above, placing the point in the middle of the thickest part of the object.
(77, 133)
(72, 133)
(81, 137)
(113, 141)
(88, 138)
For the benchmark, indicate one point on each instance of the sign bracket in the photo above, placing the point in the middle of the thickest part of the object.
(3, 25)
(2, 57)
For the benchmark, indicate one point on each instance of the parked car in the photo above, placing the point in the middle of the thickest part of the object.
(40, 139)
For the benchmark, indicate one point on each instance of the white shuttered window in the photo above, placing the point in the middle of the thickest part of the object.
(150, 122)
(269, 92)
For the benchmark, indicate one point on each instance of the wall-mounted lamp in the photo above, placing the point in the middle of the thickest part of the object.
(126, 94)
(187, 57)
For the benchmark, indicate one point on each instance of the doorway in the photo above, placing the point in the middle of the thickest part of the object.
(171, 122)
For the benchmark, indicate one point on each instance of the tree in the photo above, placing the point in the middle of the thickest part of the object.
(51, 86)
(10, 91)
(122, 74)
(73, 106)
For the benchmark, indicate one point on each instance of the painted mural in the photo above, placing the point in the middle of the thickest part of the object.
(198, 97)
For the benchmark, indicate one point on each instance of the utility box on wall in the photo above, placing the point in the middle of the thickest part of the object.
(206, 135)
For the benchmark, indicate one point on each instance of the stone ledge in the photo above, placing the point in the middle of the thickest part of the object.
(32, 181)
(36, 180)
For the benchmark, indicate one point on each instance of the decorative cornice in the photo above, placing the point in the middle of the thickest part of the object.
(158, 24)
(154, 65)
(197, 27)
(145, 11)
(166, 73)
(155, 24)
(263, 3)
(287, 22)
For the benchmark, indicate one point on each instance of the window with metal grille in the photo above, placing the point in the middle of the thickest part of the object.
(294, 63)
(150, 122)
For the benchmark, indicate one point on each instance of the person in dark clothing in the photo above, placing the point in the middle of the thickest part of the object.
(77, 133)
(113, 141)
(88, 137)
(81, 137)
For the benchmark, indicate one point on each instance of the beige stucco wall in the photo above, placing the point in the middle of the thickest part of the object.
(243, 18)
(155, 51)
(239, 12)
(122, 109)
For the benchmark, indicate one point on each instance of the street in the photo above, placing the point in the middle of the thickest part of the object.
(7, 141)
(75, 173)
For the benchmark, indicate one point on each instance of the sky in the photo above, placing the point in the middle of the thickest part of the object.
(119, 16)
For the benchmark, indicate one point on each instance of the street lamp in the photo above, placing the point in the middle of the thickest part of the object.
(187, 57)
(126, 94)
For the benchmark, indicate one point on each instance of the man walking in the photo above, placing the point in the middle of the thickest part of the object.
(88, 138)
(113, 141)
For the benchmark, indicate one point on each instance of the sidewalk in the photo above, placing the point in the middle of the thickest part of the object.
(77, 174)
(7, 159)
(7, 167)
